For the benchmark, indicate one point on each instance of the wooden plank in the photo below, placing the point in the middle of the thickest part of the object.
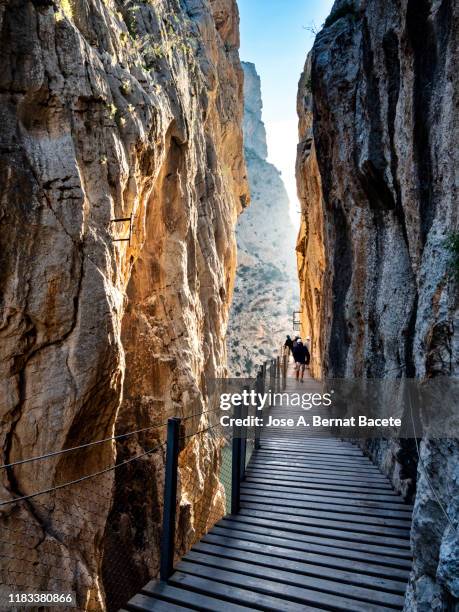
(313, 503)
(183, 597)
(285, 468)
(233, 593)
(273, 510)
(302, 440)
(335, 458)
(320, 452)
(143, 603)
(266, 485)
(305, 440)
(303, 454)
(313, 447)
(304, 447)
(272, 586)
(312, 478)
(351, 528)
(305, 478)
(339, 548)
(307, 473)
(320, 471)
(319, 555)
(290, 471)
(337, 491)
(301, 458)
(299, 465)
(325, 497)
(304, 474)
(328, 536)
(322, 441)
(263, 558)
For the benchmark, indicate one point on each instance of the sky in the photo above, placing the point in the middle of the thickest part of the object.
(274, 37)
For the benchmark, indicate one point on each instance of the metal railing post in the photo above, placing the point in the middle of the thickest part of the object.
(259, 387)
(170, 499)
(284, 370)
(236, 465)
(244, 431)
(278, 373)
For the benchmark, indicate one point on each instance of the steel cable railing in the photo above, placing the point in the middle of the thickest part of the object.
(72, 517)
(81, 446)
(54, 517)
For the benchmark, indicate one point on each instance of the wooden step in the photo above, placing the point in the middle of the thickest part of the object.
(274, 510)
(372, 544)
(144, 603)
(312, 553)
(319, 503)
(298, 566)
(359, 531)
(233, 593)
(182, 597)
(279, 584)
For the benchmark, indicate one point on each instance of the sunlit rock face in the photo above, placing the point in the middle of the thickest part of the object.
(385, 96)
(112, 110)
(265, 293)
(311, 242)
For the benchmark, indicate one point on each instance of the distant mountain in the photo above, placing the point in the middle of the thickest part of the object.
(266, 289)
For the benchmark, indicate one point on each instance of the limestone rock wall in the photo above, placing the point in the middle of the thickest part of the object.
(112, 110)
(385, 95)
(266, 288)
(311, 246)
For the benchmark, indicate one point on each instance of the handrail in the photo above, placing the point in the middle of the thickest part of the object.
(73, 448)
(78, 480)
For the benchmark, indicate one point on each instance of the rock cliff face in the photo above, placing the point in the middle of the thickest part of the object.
(112, 110)
(311, 246)
(379, 196)
(266, 289)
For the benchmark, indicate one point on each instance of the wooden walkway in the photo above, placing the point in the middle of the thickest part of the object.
(320, 528)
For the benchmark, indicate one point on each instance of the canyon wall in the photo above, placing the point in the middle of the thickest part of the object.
(266, 288)
(122, 176)
(311, 245)
(378, 185)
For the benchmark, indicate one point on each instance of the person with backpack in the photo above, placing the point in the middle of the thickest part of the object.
(288, 346)
(302, 357)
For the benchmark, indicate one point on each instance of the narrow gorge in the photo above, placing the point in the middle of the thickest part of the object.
(377, 173)
(266, 287)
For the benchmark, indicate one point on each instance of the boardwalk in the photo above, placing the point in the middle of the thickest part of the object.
(320, 528)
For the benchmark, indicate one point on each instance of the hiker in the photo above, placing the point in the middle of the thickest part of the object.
(288, 346)
(301, 357)
(295, 340)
